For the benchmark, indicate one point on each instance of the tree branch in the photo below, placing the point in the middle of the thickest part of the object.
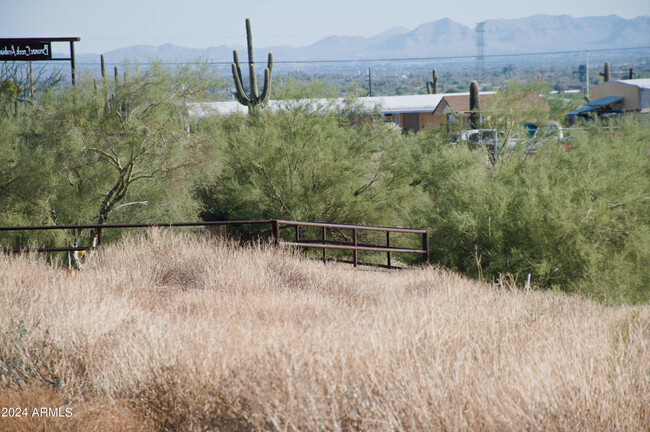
(114, 160)
(128, 204)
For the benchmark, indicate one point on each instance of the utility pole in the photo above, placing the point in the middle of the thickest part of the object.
(587, 75)
(369, 82)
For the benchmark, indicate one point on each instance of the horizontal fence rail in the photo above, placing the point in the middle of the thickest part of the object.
(276, 227)
(324, 244)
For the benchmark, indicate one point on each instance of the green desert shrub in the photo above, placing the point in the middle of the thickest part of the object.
(306, 163)
(575, 217)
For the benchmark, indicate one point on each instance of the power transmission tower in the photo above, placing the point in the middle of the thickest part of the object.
(480, 47)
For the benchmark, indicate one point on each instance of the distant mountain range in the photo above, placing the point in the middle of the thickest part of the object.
(537, 33)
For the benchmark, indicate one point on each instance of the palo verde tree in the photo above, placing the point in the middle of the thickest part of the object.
(511, 108)
(309, 163)
(253, 99)
(128, 158)
(573, 219)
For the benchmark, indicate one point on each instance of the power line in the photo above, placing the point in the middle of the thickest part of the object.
(393, 60)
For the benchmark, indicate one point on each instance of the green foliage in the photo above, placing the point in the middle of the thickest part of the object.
(506, 112)
(561, 105)
(77, 158)
(576, 219)
(303, 165)
(9, 92)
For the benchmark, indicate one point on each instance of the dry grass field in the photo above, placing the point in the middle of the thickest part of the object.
(168, 332)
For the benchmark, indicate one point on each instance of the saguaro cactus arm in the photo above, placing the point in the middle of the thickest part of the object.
(240, 93)
(266, 90)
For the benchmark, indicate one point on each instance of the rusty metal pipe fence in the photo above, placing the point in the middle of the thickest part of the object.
(276, 226)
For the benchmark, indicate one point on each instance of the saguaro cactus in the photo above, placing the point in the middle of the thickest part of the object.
(253, 100)
(474, 105)
(605, 73)
(432, 86)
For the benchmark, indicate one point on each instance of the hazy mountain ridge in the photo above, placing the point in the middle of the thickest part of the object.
(444, 37)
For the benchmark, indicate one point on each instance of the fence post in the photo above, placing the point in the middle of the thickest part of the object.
(388, 245)
(275, 226)
(324, 249)
(425, 247)
(356, 251)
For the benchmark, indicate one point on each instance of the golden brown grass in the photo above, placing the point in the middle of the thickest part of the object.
(175, 333)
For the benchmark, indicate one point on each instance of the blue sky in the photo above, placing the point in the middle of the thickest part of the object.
(104, 25)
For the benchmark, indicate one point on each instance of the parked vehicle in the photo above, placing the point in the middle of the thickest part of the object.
(541, 133)
(535, 134)
(487, 138)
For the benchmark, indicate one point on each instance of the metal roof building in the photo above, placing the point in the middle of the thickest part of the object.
(616, 97)
(363, 105)
(635, 93)
(410, 112)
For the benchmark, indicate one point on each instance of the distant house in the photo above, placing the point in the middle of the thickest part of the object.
(410, 113)
(456, 105)
(452, 107)
(614, 98)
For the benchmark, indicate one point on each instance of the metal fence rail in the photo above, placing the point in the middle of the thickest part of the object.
(324, 244)
(276, 226)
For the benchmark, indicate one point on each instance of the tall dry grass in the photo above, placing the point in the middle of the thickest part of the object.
(175, 333)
